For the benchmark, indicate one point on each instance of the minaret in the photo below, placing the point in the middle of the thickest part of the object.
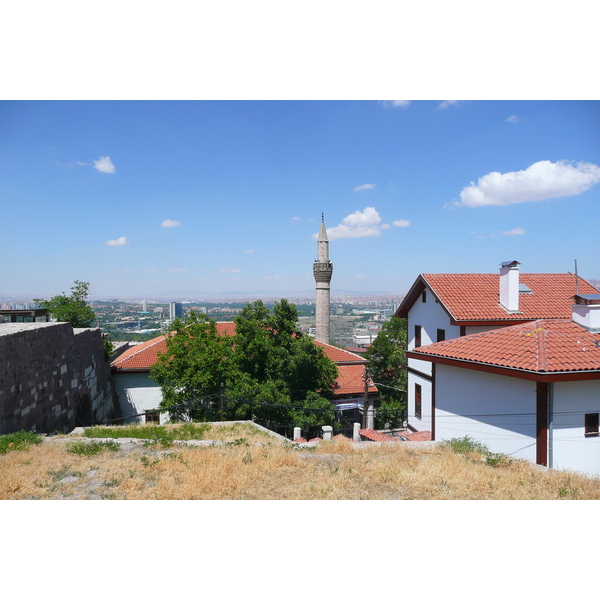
(322, 269)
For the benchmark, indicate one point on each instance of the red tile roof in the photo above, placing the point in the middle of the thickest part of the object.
(339, 355)
(375, 436)
(144, 355)
(417, 436)
(542, 346)
(350, 366)
(475, 297)
(350, 381)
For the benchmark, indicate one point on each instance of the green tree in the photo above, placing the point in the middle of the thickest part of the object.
(387, 356)
(71, 309)
(198, 360)
(267, 372)
(268, 347)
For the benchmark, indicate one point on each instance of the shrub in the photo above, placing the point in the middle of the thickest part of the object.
(21, 440)
(466, 445)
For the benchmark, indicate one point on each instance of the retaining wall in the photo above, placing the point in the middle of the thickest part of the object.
(52, 378)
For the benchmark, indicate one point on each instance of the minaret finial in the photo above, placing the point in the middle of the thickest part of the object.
(322, 217)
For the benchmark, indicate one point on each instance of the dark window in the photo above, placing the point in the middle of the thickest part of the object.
(152, 417)
(424, 296)
(417, 336)
(417, 401)
(591, 424)
(441, 335)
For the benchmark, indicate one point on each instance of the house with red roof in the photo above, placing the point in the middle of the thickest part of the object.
(140, 396)
(447, 306)
(530, 390)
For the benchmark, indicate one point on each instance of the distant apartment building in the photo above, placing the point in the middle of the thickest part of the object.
(175, 310)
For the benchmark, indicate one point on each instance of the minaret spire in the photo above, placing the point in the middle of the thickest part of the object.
(323, 270)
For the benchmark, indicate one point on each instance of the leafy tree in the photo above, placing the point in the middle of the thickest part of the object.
(268, 347)
(387, 356)
(71, 309)
(198, 360)
(266, 372)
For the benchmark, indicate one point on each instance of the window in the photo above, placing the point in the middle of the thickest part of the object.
(441, 335)
(424, 296)
(417, 401)
(417, 336)
(591, 424)
(152, 416)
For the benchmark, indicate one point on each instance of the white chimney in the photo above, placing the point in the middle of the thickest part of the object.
(586, 312)
(509, 286)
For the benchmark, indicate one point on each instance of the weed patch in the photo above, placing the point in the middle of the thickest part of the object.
(91, 448)
(21, 440)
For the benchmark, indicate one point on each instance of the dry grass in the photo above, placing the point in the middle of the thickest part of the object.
(269, 470)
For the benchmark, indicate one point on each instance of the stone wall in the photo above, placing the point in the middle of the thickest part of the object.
(52, 378)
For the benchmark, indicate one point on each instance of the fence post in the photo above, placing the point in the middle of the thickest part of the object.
(297, 433)
(327, 429)
(355, 434)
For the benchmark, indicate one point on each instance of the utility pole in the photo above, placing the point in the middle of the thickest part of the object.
(222, 394)
(366, 398)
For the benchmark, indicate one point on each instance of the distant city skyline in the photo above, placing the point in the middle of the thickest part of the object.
(224, 198)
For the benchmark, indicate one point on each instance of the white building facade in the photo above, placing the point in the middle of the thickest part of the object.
(441, 307)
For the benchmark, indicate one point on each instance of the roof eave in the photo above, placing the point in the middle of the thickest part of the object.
(547, 376)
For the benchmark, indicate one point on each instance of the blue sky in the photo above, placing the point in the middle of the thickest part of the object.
(146, 198)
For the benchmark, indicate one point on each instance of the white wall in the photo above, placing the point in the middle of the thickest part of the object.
(481, 329)
(571, 449)
(424, 423)
(430, 316)
(137, 393)
(497, 411)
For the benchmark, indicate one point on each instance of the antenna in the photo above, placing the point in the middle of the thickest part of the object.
(576, 280)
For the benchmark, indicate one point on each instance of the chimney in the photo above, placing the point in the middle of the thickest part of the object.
(586, 312)
(509, 286)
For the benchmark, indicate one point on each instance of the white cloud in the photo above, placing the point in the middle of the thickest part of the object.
(397, 103)
(515, 231)
(401, 223)
(366, 186)
(104, 165)
(250, 251)
(229, 271)
(512, 119)
(541, 181)
(295, 219)
(357, 225)
(169, 223)
(151, 270)
(447, 103)
(276, 277)
(119, 242)
(176, 270)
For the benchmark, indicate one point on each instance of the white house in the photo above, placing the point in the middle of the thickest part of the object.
(140, 396)
(530, 390)
(452, 305)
